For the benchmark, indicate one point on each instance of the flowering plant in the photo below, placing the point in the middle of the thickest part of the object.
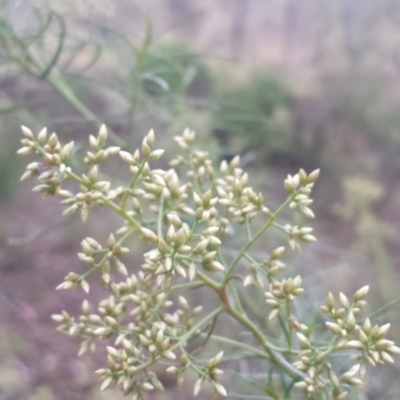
(186, 213)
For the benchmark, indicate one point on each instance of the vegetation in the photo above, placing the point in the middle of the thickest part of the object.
(317, 91)
(186, 214)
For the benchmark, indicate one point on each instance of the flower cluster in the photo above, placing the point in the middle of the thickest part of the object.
(186, 214)
(369, 349)
(301, 184)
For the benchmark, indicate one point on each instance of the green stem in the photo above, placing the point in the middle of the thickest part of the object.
(221, 339)
(123, 214)
(231, 284)
(254, 239)
(73, 176)
(134, 180)
(160, 217)
(290, 327)
(272, 351)
(233, 290)
(285, 330)
(93, 268)
(186, 285)
(248, 228)
(187, 335)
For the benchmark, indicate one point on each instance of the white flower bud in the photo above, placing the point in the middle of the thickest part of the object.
(42, 135)
(27, 133)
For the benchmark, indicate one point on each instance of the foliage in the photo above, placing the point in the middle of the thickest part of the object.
(254, 114)
(184, 215)
(172, 69)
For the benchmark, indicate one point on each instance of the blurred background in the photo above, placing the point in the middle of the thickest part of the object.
(286, 84)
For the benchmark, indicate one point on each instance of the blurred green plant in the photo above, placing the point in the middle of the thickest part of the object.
(184, 214)
(254, 115)
(172, 71)
(360, 196)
